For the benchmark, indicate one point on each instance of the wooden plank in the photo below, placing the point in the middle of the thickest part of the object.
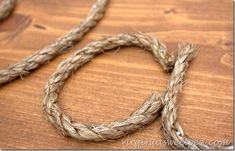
(115, 83)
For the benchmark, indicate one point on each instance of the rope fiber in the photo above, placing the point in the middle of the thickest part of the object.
(48, 53)
(154, 105)
(6, 8)
(145, 114)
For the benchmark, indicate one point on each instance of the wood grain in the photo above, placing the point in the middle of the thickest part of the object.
(115, 83)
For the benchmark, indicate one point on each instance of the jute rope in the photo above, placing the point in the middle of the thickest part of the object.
(6, 8)
(171, 128)
(145, 114)
(48, 53)
(142, 116)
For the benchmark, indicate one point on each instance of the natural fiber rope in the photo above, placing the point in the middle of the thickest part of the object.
(172, 129)
(59, 46)
(6, 8)
(142, 116)
(145, 114)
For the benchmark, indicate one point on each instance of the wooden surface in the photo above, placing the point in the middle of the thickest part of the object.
(115, 83)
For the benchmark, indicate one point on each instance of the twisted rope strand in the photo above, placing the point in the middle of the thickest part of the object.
(171, 128)
(59, 46)
(145, 114)
(142, 116)
(6, 8)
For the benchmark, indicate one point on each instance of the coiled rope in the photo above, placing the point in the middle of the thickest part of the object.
(142, 116)
(145, 114)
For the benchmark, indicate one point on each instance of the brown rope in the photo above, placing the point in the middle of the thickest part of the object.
(6, 8)
(142, 116)
(172, 129)
(59, 46)
(145, 114)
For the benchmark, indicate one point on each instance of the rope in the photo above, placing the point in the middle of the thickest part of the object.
(145, 114)
(48, 53)
(170, 126)
(6, 8)
(142, 116)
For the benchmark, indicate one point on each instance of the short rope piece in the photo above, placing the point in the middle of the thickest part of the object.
(6, 8)
(142, 116)
(48, 53)
(171, 128)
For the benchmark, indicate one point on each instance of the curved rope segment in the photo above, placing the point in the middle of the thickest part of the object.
(48, 53)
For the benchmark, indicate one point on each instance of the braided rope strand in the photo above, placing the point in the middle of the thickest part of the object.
(6, 8)
(59, 46)
(171, 128)
(142, 116)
